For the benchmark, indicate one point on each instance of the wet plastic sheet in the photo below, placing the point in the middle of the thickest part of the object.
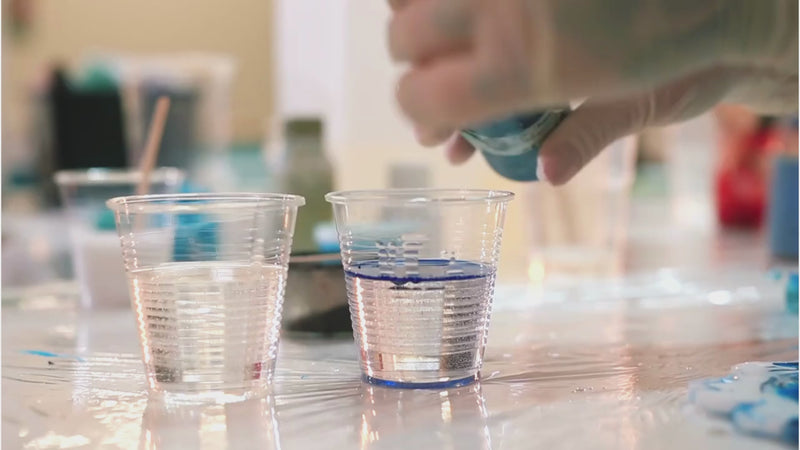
(560, 372)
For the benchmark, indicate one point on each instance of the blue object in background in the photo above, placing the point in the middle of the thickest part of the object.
(195, 238)
(782, 215)
(791, 293)
(105, 221)
(326, 238)
(195, 234)
(190, 188)
(511, 146)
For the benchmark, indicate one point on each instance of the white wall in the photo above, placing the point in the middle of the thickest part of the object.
(335, 63)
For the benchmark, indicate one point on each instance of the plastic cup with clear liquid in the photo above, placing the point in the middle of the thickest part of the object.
(420, 270)
(207, 274)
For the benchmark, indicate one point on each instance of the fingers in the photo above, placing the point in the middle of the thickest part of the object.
(396, 5)
(458, 150)
(422, 29)
(453, 93)
(432, 137)
(596, 124)
(583, 134)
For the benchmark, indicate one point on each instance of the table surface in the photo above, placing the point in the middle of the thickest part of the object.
(604, 365)
(588, 364)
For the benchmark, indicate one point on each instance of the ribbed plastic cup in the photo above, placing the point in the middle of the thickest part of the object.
(420, 270)
(207, 274)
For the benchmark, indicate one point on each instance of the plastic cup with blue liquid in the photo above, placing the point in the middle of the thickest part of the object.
(420, 270)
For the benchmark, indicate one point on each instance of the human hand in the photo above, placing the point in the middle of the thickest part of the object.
(640, 63)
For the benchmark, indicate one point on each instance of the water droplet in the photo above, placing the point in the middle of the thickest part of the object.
(582, 389)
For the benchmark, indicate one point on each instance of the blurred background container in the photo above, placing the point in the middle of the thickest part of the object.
(257, 87)
(95, 243)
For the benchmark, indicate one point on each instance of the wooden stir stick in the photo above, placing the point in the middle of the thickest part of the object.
(153, 145)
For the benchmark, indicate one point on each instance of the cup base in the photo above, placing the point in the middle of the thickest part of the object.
(424, 385)
(209, 397)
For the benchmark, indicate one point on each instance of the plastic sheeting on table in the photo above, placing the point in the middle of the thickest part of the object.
(560, 374)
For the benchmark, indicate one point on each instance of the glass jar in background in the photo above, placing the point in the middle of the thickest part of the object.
(304, 169)
(580, 229)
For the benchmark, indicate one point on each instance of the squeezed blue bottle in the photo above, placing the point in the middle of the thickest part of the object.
(511, 146)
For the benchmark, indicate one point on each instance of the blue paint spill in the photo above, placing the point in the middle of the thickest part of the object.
(759, 399)
(51, 355)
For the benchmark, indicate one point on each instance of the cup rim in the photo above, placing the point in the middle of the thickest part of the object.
(155, 203)
(106, 175)
(420, 196)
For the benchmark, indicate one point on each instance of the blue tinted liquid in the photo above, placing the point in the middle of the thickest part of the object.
(424, 270)
(421, 324)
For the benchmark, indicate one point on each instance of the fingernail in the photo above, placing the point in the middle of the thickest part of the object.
(408, 98)
(556, 171)
(540, 175)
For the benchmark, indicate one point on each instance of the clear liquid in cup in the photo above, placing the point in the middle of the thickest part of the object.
(209, 330)
(423, 323)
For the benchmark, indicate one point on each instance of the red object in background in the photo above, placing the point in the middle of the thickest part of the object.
(741, 198)
(741, 181)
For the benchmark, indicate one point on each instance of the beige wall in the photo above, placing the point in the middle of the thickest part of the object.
(66, 29)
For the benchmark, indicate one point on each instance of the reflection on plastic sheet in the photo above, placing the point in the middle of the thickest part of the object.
(250, 424)
(446, 419)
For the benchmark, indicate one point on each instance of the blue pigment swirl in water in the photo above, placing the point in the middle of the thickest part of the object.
(425, 270)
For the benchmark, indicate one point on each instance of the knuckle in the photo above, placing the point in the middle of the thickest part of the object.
(395, 39)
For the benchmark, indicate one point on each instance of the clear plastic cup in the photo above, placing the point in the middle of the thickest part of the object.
(580, 230)
(420, 269)
(95, 245)
(207, 274)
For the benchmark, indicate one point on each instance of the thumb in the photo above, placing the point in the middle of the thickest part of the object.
(597, 123)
